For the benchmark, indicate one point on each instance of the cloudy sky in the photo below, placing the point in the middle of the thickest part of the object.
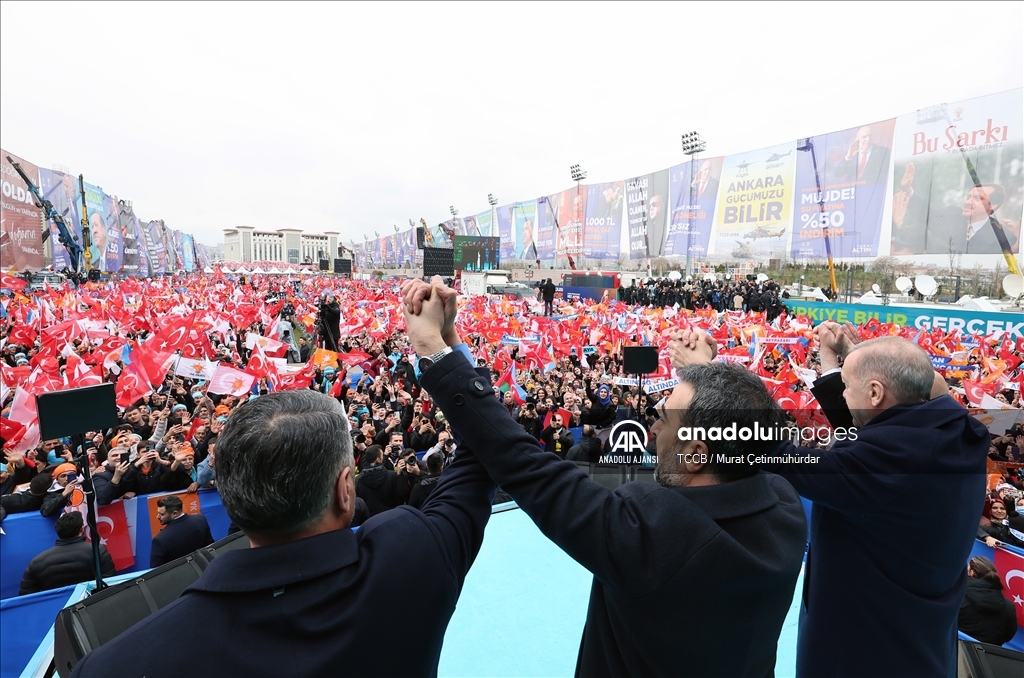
(353, 117)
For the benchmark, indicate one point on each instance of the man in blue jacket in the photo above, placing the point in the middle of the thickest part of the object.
(895, 511)
(312, 597)
(693, 575)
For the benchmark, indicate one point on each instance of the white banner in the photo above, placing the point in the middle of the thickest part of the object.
(195, 369)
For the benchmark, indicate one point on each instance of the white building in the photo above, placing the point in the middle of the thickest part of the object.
(285, 245)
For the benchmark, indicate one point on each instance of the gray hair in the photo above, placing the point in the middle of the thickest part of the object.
(279, 458)
(900, 365)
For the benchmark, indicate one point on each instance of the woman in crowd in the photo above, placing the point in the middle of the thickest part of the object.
(985, 614)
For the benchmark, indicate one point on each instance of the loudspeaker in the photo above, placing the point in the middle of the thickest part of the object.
(438, 261)
(343, 266)
(420, 236)
(325, 265)
(88, 624)
(990, 661)
(640, 359)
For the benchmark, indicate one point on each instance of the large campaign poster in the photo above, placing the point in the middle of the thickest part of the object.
(188, 250)
(693, 188)
(524, 230)
(157, 247)
(179, 250)
(755, 199)
(573, 209)
(936, 208)
(142, 245)
(472, 227)
(647, 214)
(129, 243)
(112, 222)
(603, 226)
(851, 168)
(549, 223)
(506, 232)
(96, 212)
(21, 239)
(62, 191)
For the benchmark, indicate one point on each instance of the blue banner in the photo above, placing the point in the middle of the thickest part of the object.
(115, 247)
(61, 190)
(971, 322)
(603, 227)
(693, 200)
(853, 172)
(188, 250)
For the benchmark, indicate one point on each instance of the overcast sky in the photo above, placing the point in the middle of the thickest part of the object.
(352, 117)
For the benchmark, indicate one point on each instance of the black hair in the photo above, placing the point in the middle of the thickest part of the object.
(69, 525)
(171, 503)
(40, 483)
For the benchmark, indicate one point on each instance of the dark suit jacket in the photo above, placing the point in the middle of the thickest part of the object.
(720, 562)
(179, 538)
(321, 606)
(876, 168)
(929, 231)
(875, 601)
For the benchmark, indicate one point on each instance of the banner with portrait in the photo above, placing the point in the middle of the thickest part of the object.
(154, 232)
(936, 208)
(549, 222)
(647, 214)
(21, 239)
(755, 198)
(142, 245)
(96, 212)
(483, 222)
(851, 168)
(129, 243)
(62, 190)
(603, 227)
(693, 188)
(112, 222)
(188, 250)
(179, 250)
(524, 230)
(505, 232)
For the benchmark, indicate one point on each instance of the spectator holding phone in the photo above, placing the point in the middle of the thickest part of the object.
(115, 479)
(65, 481)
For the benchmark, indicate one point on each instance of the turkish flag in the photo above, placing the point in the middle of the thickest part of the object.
(61, 333)
(975, 390)
(353, 358)
(12, 282)
(112, 524)
(23, 335)
(131, 386)
(11, 431)
(1011, 568)
(174, 335)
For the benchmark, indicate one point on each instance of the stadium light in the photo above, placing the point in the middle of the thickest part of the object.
(693, 143)
(412, 223)
(491, 200)
(455, 212)
(577, 173)
(396, 228)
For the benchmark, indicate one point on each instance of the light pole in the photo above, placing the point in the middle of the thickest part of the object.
(493, 202)
(693, 144)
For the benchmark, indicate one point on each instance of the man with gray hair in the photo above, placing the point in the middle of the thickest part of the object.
(311, 596)
(874, 602)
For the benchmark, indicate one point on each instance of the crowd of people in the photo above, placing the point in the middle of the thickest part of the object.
(561, 378)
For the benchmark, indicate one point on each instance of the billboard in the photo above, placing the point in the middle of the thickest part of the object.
(936, 207)
(693, 190)
(602, 229)
(647, 213)
(755, 197)
(21, 240)
(841, 183)
(62, 190)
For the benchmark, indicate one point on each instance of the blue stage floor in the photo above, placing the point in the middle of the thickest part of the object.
(524, 604)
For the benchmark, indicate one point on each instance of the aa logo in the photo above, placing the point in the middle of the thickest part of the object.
(628, 437)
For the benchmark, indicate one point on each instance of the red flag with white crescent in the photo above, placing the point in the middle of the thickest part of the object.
(1011, 569)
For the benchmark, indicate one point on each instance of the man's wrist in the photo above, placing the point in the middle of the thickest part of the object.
(429, 346)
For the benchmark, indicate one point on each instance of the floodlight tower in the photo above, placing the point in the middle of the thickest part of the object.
(693, 144)
(493, 202)
(578, 174)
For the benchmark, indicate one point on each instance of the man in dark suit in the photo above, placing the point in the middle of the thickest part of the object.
(866, 585)
(710, 549)
(705, 186)
(70, 561)
(864, 161)
(921, 228)
(182, 534)
(311, 596)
